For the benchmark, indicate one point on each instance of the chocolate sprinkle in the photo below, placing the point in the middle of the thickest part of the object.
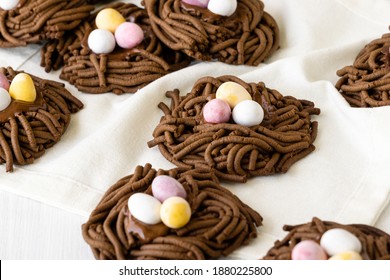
(366, 83)
(122, 71)
(220, 222)
(35, 20)
(249, 36)
(233, 151)
(375, 243)
(27, 130)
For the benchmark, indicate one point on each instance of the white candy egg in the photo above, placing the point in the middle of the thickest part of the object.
(8, 4)
(248, 113)
(223, 8)
(338, 240)
(5, 99)
(145, 208)
(101, 41)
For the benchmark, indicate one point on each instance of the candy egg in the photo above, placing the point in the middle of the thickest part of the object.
(347, 256)
(337, 240)
(164, 186)
(175, 212)
(232, 93)
(308, 250)
(145, 208)
(109, 19)
(4, 82)
(217, 111)
(22, 88)
(101, 41)
(128, 35)
(198, 3)
(223, 8)
(248, 113)
(8, 4)
(5, 99)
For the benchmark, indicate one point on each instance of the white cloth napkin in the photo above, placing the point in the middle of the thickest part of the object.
(345, 179)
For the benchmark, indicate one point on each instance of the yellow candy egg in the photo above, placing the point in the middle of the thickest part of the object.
(232, 93)
(22, 88)
(346, 256)
(175, 212)
(109, 19)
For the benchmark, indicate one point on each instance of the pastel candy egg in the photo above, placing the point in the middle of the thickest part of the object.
(232, 93)
(164, 187)
(101, 41)
(337, 240)
(216, 111)
(22, 88)
(109, 19)
(145, 208)
(175, 212)
(5, 99)
(8, 4)
(128, 35)
(308, 250)
(346, 256)
(4, 82)
(223, 8)
(248, 113)
(198, 3)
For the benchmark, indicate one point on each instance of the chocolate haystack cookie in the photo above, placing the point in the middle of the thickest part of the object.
(366, 83)
(121, 71)
(248, 36)
(370, 242)
(30, 127)
(219, 222)
(32, 21)
(236, 152)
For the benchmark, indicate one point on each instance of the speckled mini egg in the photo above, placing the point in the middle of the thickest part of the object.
(223, 8)
(175, 212)
(164, 187)
(232, 93)
(346, 256)
(101, 41)
(22, 88)
(197, 3)
(5, 99)
(338, 240)
(308, 250)
(8, 4)
(4, 83)
(109, 19)
(145, 208)
(129, 35)
(248, 113)
(217, 111)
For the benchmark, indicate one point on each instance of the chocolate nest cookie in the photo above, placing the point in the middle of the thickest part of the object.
(123, 70)
(374, 243)
(248, 36)
(32, 21)
(29, 128)
(366, 83)
(219, 222)
(235, 152)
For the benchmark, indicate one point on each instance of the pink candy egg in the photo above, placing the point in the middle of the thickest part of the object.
(164, 186)
(216, 111)
(198, 3)
(128, 35)
(4, 83)
(308, 250)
